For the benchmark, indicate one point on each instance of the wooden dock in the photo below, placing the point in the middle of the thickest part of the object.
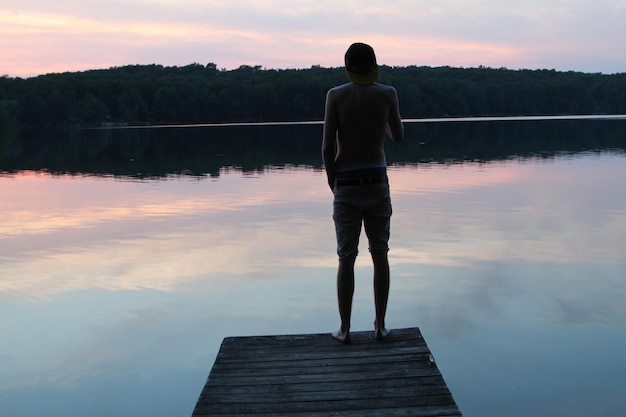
(313, 375)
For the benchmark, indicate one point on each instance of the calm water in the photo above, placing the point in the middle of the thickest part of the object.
(127, 257)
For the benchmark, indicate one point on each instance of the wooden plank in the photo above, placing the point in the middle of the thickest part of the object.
(313, 375)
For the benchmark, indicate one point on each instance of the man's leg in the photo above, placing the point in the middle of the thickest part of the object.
(348, 222)
(345, 292)
(377, 226)
(381, 292)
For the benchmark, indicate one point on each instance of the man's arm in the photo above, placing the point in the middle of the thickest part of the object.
(329, 141)
(395, 129)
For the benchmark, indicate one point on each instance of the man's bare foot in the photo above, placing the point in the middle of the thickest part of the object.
(381, 333)
(342, 336)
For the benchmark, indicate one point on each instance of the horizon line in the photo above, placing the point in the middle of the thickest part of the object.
(408, 120)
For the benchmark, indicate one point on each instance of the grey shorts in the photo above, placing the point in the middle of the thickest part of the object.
(356, 205)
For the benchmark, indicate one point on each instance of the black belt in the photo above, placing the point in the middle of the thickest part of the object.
(381, 179)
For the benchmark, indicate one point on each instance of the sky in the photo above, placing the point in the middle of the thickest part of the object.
(42, 36)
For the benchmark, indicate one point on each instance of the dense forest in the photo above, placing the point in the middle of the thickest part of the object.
(154, 94)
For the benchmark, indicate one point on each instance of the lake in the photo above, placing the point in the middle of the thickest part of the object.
(128, 255)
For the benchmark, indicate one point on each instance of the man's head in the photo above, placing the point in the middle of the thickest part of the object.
(361, 63)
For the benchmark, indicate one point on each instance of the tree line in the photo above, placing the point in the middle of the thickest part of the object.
(154, 94)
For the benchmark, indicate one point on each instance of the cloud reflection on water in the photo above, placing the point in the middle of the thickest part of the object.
(160, 234)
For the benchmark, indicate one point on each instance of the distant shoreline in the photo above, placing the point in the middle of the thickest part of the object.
(409, 120)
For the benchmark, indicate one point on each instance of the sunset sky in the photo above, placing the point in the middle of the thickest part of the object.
(40, 36)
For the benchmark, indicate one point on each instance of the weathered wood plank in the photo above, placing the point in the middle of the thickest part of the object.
(426, 411)
(285, 395)
(314, 375)
(286, 407)
(356, 372)
(326, 391)
(323, 361)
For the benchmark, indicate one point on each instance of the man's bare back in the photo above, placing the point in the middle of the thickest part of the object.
(357, 119)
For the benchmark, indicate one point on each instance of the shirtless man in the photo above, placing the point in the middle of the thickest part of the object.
(358, 116)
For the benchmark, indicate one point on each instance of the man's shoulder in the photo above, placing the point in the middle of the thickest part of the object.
(351, 86)
(385, 87)
(341, 87)
(337, 92)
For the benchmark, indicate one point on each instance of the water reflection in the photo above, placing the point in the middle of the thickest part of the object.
(202, 152)
(116, 291)
(101, 228)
